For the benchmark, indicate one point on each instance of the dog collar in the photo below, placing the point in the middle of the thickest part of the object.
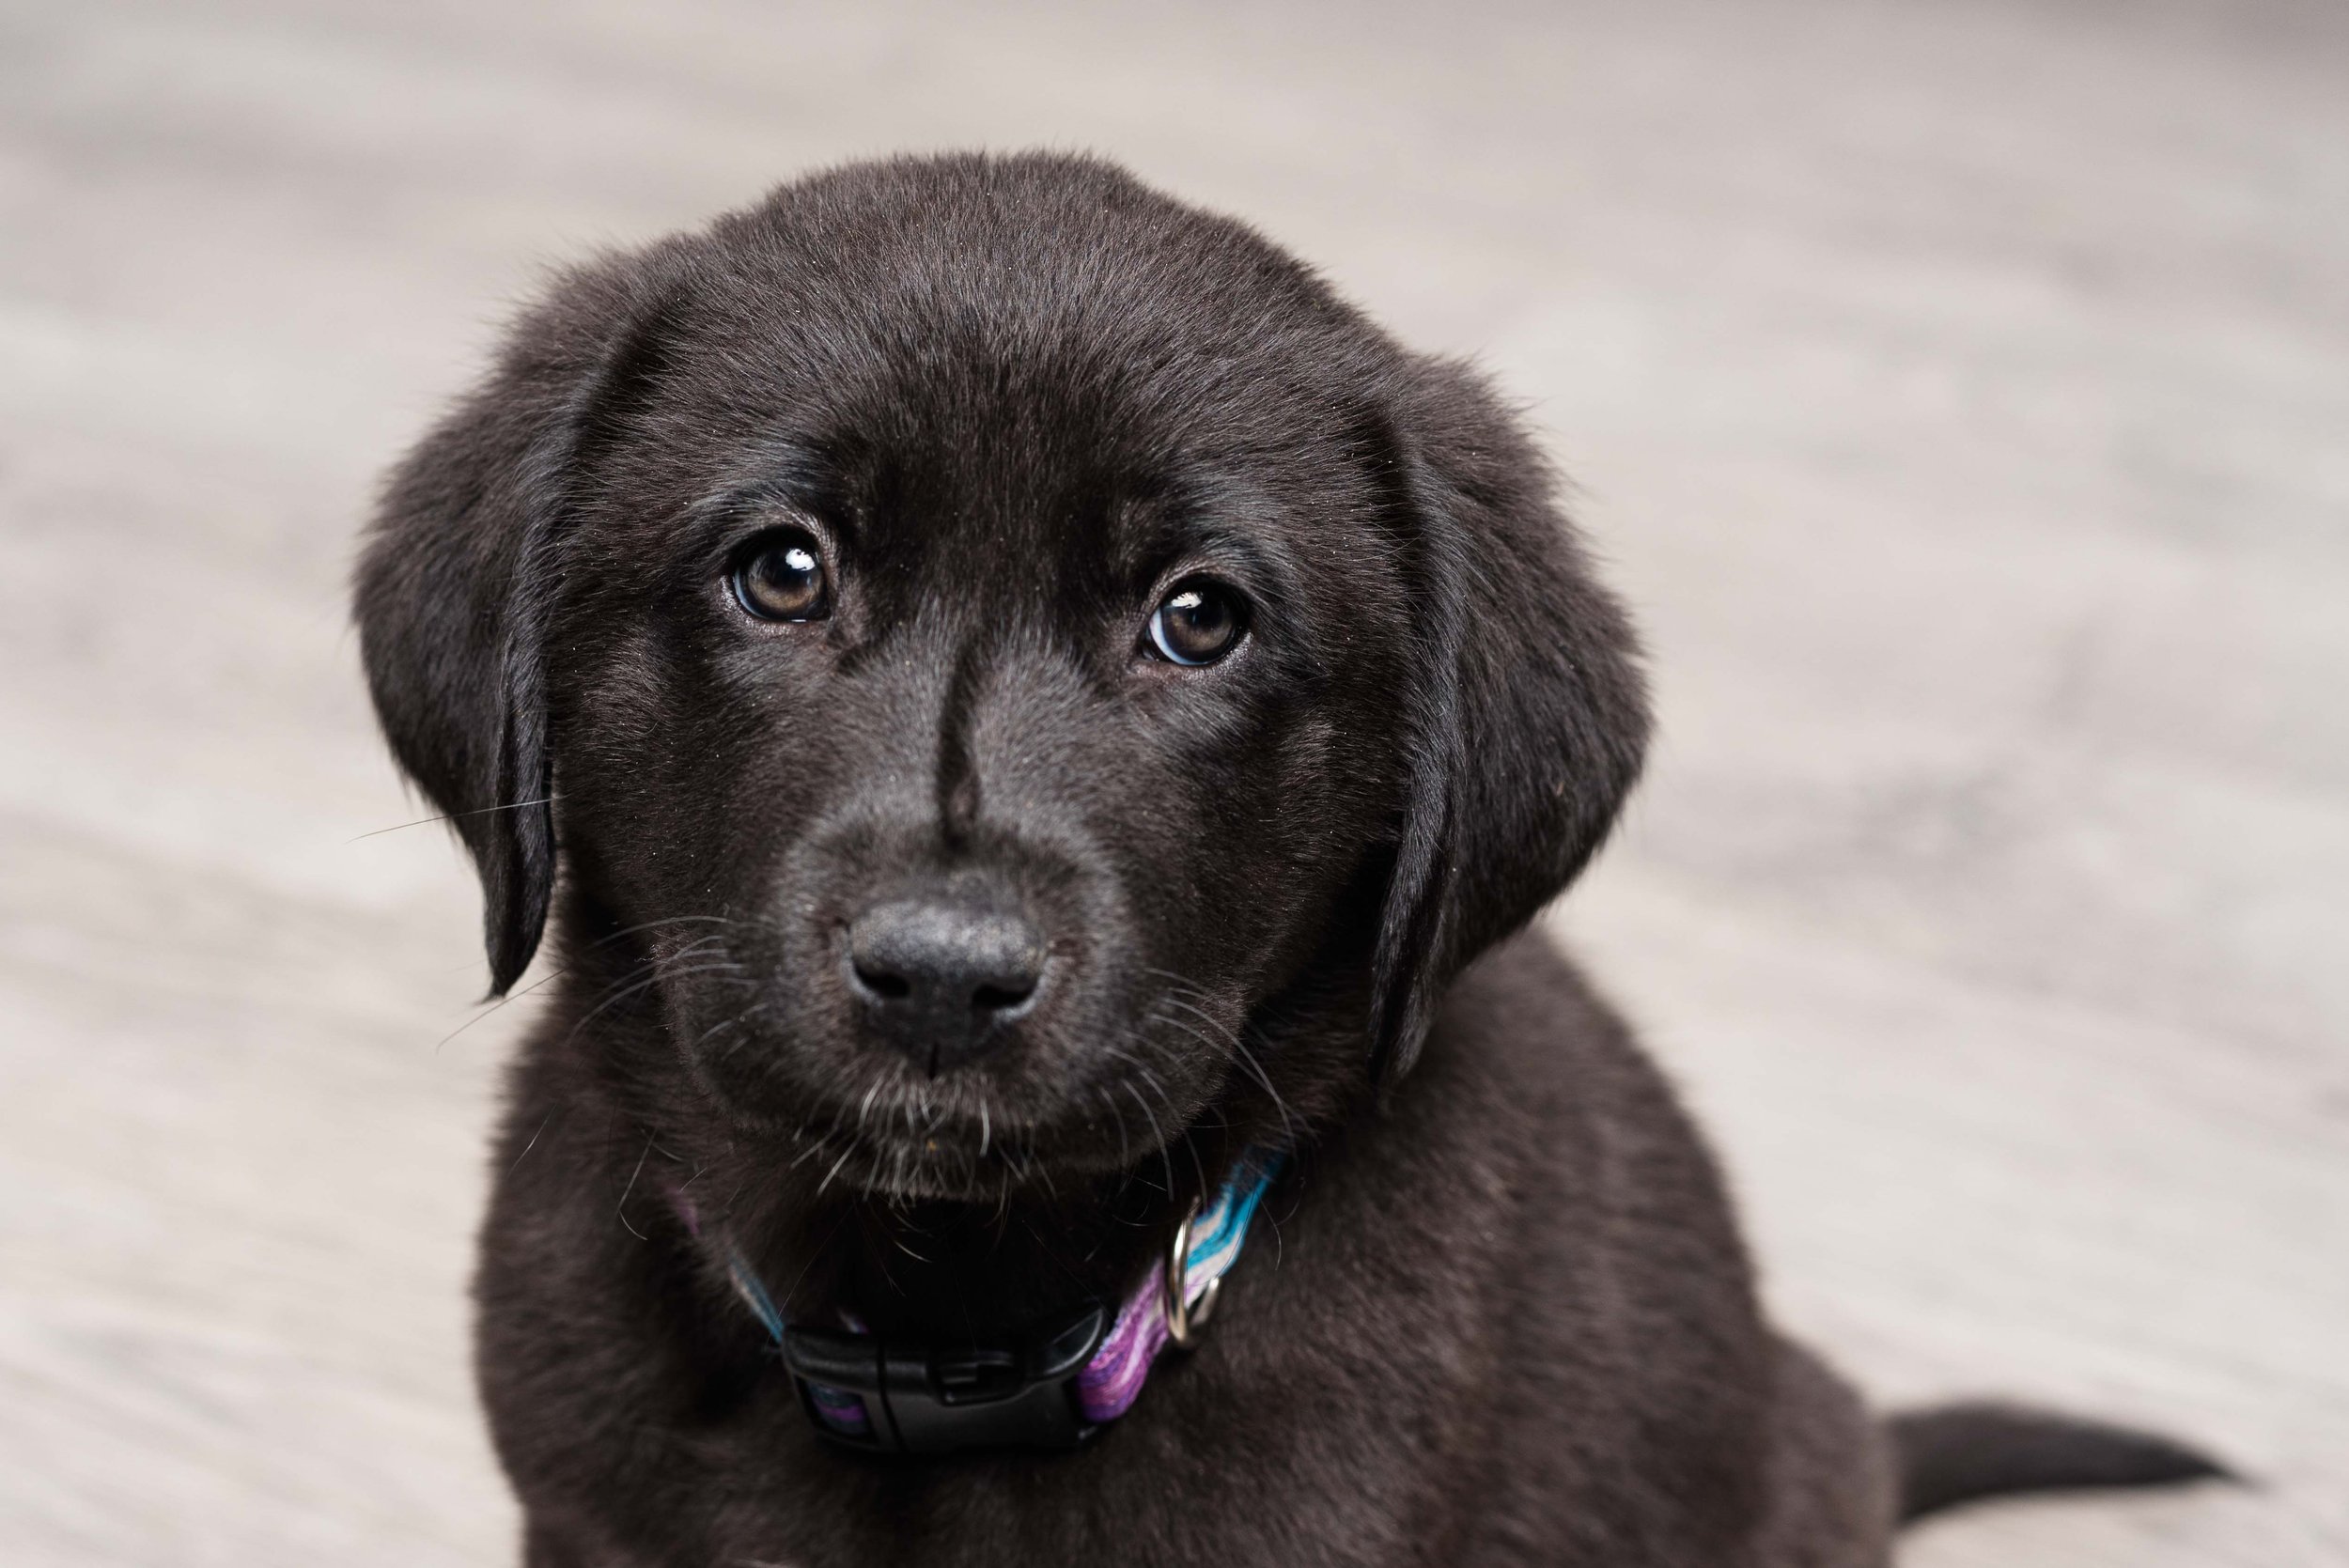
(1053, 1388)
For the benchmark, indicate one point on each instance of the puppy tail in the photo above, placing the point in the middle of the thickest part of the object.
(1954, 1453)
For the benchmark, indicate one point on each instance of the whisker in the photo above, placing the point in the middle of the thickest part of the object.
(453, 816)
(532, 1144)
(511, 996)
(1156, 1132)
(621, 1209)
(1231, 1039)
(820, 1249)
(654, 924)
(1150, 1080)
(638, 990)
(1125, 1147)
(1239, 1051)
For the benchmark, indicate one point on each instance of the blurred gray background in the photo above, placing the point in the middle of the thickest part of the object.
(1960, 390)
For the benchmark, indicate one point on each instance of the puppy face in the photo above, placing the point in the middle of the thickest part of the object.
(1011, 660)
(983, 727)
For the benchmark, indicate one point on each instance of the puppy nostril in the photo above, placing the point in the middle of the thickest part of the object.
(888, 987)
(994, 999)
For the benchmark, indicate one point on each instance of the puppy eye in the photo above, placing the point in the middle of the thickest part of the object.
(782, 578)
(1198, 623)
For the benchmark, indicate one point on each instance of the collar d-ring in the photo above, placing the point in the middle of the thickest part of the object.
(1184, 1318)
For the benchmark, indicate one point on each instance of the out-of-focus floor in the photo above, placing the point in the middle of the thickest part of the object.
(1960, 390)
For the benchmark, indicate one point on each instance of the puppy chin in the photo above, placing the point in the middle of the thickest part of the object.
(951, 1150)
(852, 1116)
(936, 1166)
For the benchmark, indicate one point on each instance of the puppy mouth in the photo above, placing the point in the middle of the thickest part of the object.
(955, 1137)
(912, 1151)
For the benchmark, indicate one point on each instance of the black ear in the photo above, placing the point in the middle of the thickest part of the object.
(459, 570)
(1525, 710)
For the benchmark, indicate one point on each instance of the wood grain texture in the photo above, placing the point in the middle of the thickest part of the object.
(1960, 392)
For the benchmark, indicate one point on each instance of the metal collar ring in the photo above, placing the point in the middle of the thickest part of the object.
(1183, 1319)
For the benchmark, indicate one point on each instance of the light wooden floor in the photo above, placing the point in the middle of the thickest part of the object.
(1962, 392)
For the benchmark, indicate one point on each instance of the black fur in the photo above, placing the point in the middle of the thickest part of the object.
(1958, 1453)
(1499, 1313)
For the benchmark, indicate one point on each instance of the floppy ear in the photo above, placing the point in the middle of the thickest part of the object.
(460, 571)
(1527, 713)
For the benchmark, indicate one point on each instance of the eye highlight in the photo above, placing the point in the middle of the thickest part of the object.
(1198, 622)
(781, 577)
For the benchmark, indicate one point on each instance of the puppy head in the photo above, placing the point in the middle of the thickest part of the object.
(988, 641)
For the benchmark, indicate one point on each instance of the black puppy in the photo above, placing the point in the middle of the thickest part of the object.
(1024, 709)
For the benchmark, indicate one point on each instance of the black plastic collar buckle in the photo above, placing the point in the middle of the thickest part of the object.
(884, 1395)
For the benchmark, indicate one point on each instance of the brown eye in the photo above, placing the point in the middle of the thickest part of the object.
(782, 578)
(1198, 623)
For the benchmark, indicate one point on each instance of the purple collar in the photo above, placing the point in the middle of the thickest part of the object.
(1053, 1387)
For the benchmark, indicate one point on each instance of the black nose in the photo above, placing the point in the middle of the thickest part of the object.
(937, 976)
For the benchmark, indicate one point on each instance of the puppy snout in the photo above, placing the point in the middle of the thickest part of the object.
(939, 977)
